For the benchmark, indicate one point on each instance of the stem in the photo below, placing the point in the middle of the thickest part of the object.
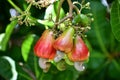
(116, 65)
(58, 12)
(26, 12)
(70, 12)
(15, 6)
(28, 8)
(82, 1)
(42, 75)
(24, 76)
(100, 41)
(76, 9)
(70, 7)
(99, 37)
(112, 43)
(62, 20)
(29, 72)
(35, 67)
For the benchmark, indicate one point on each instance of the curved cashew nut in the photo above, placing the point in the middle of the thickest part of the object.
(59, 56)
(44, 64)
(79, 66)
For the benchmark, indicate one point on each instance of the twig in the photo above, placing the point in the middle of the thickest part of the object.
(58, 12)
(70, 7)
(62, 20)
(76, 9)
(69, 15)
(15, 6)
(29, 72)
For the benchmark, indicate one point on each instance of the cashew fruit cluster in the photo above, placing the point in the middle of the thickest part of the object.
(67, 48)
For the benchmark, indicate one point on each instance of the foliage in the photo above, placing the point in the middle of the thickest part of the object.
(19, 31)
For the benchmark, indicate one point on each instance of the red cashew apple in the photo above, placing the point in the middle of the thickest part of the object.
(80, 51)
(65, 41)
(44, 46)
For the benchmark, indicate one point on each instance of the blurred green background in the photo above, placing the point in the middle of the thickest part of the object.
(17, 41)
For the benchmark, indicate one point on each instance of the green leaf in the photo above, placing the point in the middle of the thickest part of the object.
(70, 74)
(100, 28)
(96, 59)
(114, 70)
(119, 1)
(115, 19)
(52, 9)
(46, 22)
(26, 46)
(32, 62)
(46, 76)
(8, 32)
(5, 69)
(30, 67)
(51, 12)
(22, 74)
(62, 13)
(13, 67)
(1, 39)
(31, 59)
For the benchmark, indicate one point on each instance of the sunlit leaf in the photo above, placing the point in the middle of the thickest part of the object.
(1, 39)
(51, 12)
(62, 13)
(8, 32)
(119, 1)
(26, 46)
(29, 58)
(115, 19)
(46, 22)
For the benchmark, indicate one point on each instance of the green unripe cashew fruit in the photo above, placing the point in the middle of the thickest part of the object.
(81, 19)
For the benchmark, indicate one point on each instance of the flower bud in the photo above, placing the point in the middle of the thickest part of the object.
(65, 41)
(44, 47)
(80, 51)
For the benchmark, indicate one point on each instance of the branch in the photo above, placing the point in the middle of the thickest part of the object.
(70, 7)
(15, 6)
(70, 12)
(29, 73)
(76, 9)
(58, 12)
(69, 16)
